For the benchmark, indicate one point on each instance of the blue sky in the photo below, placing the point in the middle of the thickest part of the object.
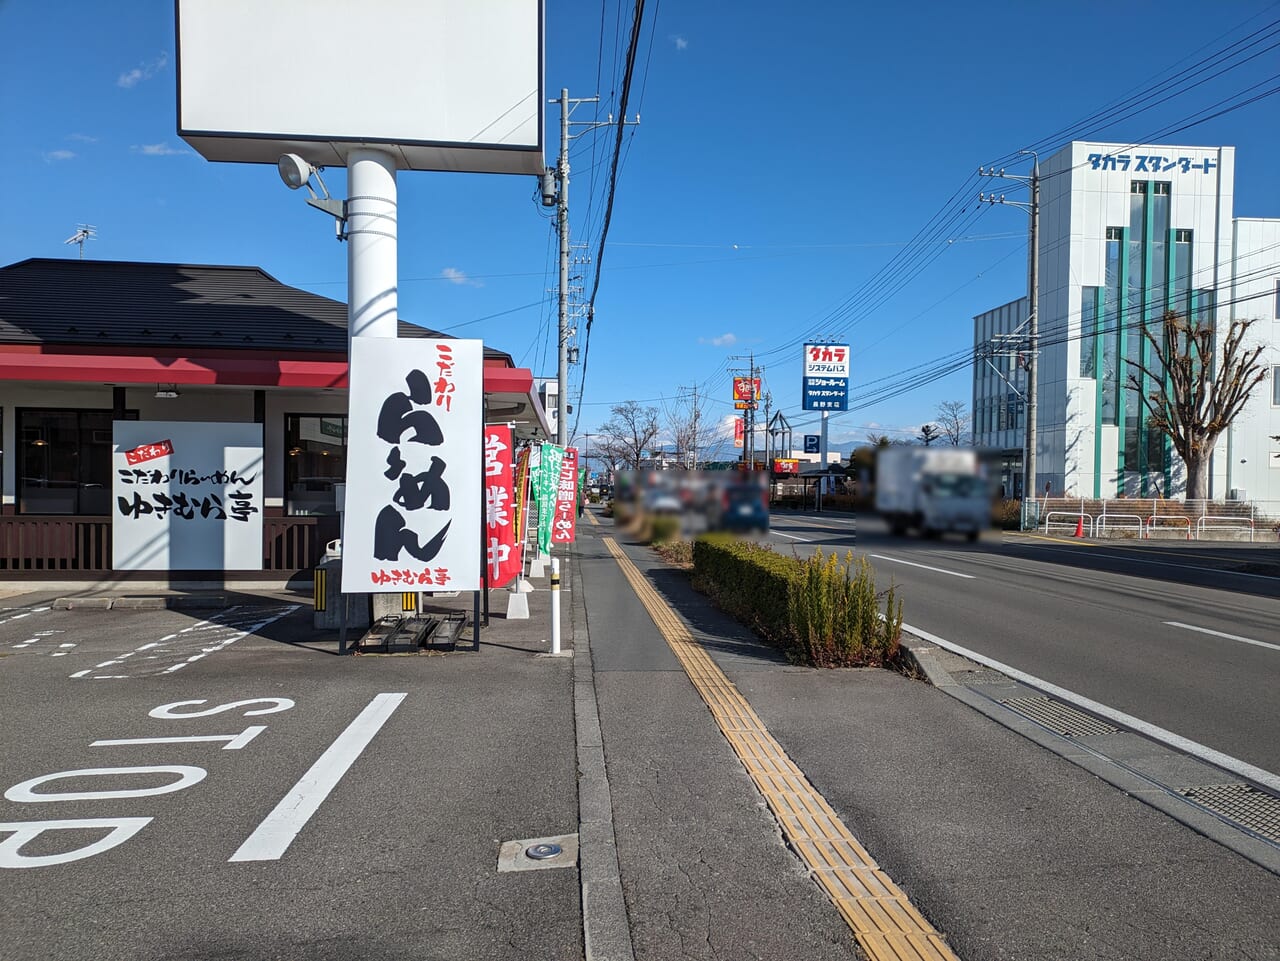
(783, 159)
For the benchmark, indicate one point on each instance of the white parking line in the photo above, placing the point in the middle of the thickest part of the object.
(272, 837)
(1229, 637)
(940, 570)
(1176, 741)
(793, 537)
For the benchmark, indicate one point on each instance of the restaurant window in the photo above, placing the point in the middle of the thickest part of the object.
(315, 460)
(64, 461)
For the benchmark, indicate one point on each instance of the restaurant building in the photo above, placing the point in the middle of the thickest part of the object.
(85, 344)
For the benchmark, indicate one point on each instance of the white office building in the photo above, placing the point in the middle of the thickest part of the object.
(1126, 233)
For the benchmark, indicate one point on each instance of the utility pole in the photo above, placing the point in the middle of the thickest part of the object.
(1033, 319)
(562, 227)
(557, 195)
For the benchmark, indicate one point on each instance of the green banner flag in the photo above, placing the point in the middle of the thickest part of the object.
(546, 484)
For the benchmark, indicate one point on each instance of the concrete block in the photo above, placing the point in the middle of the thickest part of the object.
(140, 604)
(82, 603)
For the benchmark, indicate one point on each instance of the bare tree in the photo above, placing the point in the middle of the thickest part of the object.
(628, 435)
(878, 440)
(1192, 395)
(929, 433)
(693, 430)
(953, 418)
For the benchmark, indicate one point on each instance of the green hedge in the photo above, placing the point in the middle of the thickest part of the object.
(823, 611)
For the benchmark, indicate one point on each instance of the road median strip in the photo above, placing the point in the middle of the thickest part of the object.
(881, 916)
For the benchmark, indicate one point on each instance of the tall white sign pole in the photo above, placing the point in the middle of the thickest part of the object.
(371, 247)
(822, 453)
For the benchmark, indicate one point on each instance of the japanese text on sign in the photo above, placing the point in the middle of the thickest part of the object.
(414, 448)
(200, 510)
(502, 542)
(1150, 163)
(146, 452)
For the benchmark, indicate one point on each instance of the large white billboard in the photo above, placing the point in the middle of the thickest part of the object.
(414, 466)
(186, 496)
(447, 84)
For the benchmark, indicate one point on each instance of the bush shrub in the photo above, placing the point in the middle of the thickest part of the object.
(664, 528)
(1007, 515)
(823, 611)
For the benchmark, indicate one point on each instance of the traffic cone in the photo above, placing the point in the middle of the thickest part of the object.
(1080, 527)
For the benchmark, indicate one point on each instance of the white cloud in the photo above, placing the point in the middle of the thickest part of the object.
(144, 71)
(58, 155)
(158, 150)
(724, 340)
(680, 42)
(459, 277)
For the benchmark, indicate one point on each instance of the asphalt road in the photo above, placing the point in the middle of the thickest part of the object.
(1095, 618)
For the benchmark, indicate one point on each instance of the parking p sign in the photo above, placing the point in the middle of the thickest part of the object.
(811, 443)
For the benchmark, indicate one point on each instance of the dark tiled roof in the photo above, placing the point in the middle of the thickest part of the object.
(125, 304)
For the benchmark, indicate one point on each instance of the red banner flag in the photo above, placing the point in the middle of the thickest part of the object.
(502, 541)
(564, 523)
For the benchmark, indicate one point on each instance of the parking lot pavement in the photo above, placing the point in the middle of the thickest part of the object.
(214, 784)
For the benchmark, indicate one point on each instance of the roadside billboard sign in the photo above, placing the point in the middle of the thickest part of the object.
(826, 377)
(415, 492)
(746, 390)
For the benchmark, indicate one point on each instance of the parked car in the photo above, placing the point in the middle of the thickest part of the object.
(743, 507)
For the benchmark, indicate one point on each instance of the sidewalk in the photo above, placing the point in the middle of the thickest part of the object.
(1009, 850)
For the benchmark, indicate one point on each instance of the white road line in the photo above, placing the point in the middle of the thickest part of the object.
(272, 837)
(792, 537)
(1229, 637)
(940, 570)
(1176, 741)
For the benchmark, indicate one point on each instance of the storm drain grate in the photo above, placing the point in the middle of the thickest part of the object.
(1245, 805)
(1058, 718)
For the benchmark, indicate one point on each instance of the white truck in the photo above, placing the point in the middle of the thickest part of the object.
(932, 490)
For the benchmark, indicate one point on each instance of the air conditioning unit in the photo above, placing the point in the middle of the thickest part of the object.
(1237, 494)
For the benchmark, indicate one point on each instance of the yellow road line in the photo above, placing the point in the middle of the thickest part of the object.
(592, 517)
(885, 922)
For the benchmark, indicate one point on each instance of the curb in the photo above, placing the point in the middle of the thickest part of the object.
(1115, 773)
(177, 602)
(606, 929)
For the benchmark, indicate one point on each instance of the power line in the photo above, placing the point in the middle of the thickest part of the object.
(613, 183)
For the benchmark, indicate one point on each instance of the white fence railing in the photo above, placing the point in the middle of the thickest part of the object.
(1154, 518)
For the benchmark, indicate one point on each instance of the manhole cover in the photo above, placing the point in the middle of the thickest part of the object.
(1058, 718)
(1245, 805)
(540, 852)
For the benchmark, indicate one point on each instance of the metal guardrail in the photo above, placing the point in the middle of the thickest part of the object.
(1146, 517)
(1223, 524)
(1081, 518)
(1105, 520)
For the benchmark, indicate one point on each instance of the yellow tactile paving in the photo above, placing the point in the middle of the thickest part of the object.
(886, 924)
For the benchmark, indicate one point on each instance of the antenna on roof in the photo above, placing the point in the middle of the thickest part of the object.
(83, 232)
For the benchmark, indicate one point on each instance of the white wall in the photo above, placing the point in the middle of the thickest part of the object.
(206, 404)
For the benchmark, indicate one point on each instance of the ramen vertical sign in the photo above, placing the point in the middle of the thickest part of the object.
(414, 466)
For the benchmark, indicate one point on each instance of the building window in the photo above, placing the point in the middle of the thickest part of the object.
(1162, 188)
(1088, 330)
(64, 461)
(315, 460)
(1275, 386)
